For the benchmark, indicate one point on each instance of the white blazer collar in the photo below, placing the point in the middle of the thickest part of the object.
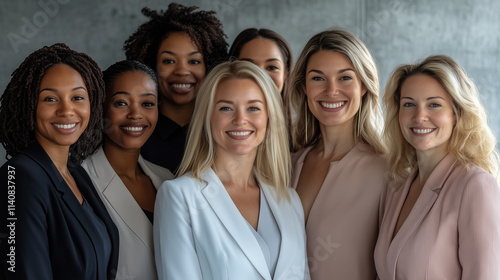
(229, 215)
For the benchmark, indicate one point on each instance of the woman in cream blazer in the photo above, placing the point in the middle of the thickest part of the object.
(230, 214)
(126, 182)
(442, 219)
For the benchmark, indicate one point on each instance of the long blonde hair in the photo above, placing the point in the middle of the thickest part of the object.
(472, 141)
(305, 128)
(272, 164)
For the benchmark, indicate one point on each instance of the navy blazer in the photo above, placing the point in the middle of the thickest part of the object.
(44, 231)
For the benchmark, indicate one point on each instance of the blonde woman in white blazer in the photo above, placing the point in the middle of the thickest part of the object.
(126, 182)
(230, 213)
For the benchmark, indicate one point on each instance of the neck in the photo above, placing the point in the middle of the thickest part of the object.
(235, 171)
(180, 114)
(336, 141)
(58, 155)
(427, 161)
(123, 161)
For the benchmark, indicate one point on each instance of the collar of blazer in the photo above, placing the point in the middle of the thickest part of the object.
(116, 194)
(427, 198)
(219, 200)
(36, 152)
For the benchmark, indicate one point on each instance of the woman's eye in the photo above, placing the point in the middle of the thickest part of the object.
(272, 68)
(435, 105)
(49, 99)
(168, 61)
(224, 109)
(317, 79)
(149, 104)
(407, 104)
(254, 109)
(345, 78)
(194, 62)
(78, 98)
(119, 103)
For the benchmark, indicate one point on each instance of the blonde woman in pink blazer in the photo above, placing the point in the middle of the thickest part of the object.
(338, 167)
(442, 217)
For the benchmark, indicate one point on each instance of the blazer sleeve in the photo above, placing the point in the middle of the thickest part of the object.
(479, 228)
(28, 246)
(175, 252)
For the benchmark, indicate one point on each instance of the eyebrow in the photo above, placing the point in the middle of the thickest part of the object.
(126, 93)
(189, 54)
(430, 98)
(55, 90)
(338, 72)
(267, 60)
(231, 102)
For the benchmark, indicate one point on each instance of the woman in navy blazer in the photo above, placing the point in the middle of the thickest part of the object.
(230, 214)
(54, 226)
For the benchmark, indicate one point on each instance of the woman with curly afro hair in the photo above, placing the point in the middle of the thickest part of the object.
(180, 45)
(50, 120)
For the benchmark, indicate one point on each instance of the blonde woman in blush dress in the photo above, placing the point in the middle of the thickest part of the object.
(339, 169)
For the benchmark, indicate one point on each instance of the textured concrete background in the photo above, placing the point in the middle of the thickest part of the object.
(396, 31)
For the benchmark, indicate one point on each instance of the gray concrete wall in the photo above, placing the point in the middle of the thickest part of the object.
(396, 31)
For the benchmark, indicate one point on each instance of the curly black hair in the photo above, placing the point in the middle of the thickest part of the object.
(116, 70)
(20, 100)
(202, 26)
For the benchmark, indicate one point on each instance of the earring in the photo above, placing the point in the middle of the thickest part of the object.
(305, 115)
(358, 124)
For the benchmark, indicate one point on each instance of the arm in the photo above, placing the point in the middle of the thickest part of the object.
(175, 252)
(23, 233)
(479, 228)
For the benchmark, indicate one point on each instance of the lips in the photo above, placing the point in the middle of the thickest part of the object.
(422, 130)
(182, 87)
(64, 126)
(332, 105)
(239, 134)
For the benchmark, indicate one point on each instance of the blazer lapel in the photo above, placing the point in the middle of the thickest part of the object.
(424, 203)
(120, 199)
(229, 215)
(286, 226)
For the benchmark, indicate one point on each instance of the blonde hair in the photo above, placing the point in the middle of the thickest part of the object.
(272, 164)
(471, 142)
(305, 128)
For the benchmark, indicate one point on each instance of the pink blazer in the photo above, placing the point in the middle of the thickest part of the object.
(452, 232)
(344, 220)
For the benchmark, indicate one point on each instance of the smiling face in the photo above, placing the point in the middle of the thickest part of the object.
(267, 55)
(426, 114)
(180, 68)
(239, 117)
(63, 108)
(333, 89)
(130, 110)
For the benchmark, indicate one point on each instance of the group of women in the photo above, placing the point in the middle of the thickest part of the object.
(281, 172)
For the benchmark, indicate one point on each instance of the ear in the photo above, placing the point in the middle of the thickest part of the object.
(363, 90)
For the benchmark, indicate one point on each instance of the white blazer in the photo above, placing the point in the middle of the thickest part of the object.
(136, 252)
(200, 234)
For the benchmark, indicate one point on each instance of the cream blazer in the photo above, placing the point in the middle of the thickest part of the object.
(136, 253)
(343, 222)
(452, 232)
(200, 234)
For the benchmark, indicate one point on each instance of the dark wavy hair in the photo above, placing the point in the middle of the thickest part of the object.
(202, 26)
(120, 67)
(20, 99)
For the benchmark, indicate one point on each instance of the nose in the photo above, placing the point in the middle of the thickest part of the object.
(240, 117)
(66, 108)
(181, 68)
(332, 88)
(420, 115)
(134, 112)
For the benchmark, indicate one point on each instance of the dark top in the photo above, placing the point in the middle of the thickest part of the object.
(165, 147)
(45, 233)
(150, 215)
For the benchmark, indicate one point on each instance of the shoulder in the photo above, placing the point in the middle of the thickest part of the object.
(183, 185)
(155, 170)
(475, 178)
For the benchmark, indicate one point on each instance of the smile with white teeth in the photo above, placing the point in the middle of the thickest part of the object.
(65, 126)
(132, 128)
(239, 133)
(422, 131)
(182, 86)
(332, 105)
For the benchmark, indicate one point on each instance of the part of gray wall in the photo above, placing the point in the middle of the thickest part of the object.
(396, 31)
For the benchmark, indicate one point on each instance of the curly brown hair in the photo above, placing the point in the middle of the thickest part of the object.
(20, 99)
(202, 26)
